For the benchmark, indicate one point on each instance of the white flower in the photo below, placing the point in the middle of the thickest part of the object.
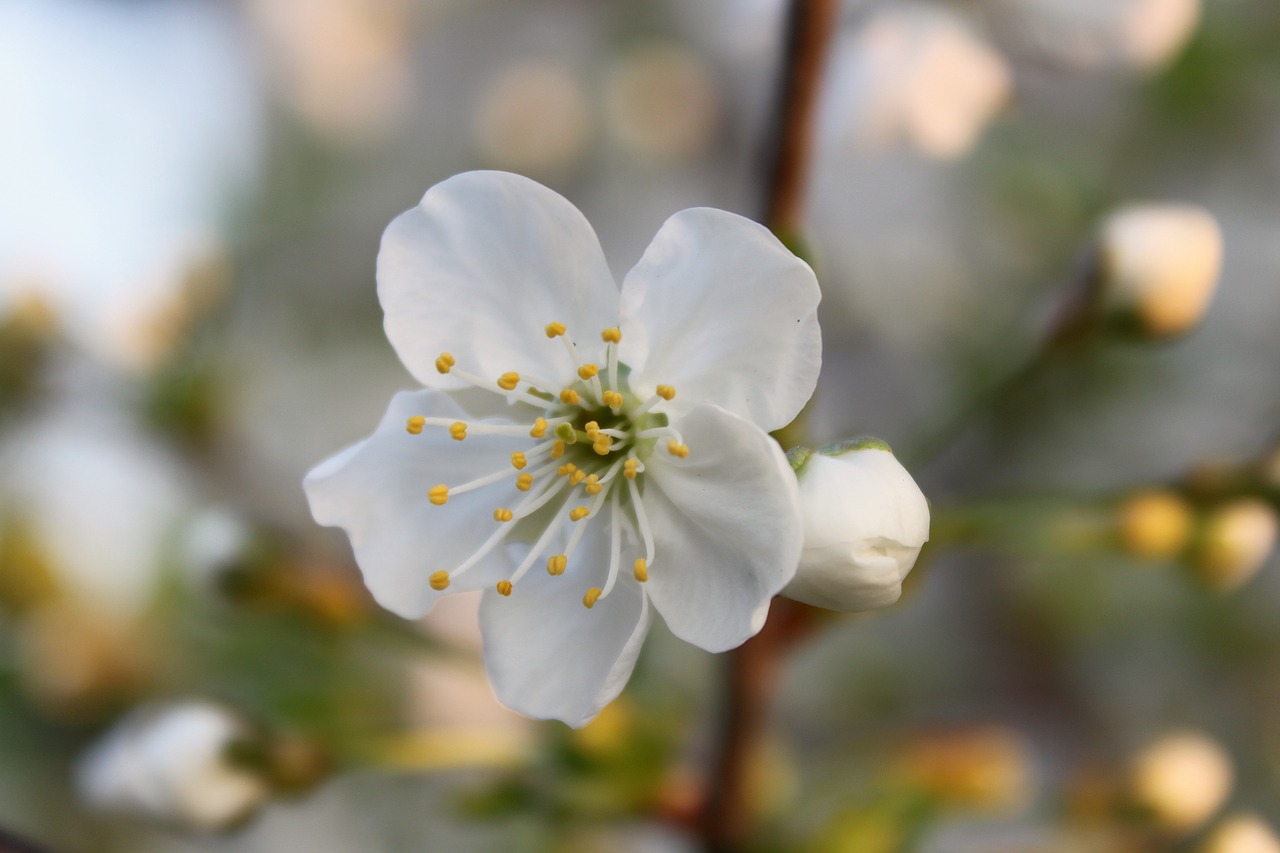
(865, 521)
(578, 444)
(170, 764)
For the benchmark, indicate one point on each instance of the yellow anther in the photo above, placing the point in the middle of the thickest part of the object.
(577, 477)
(539, 428)
(675, 448)
(666, 392)
(501, 514)
(415, 424)
(509, 381)
(557, 450)
(592, 596)
(439, 581)
(458, 431)
(569, 397)
(641, 570)
(524, 482)
(593, 486)
(611, 336)
(592, 429)
(556, 564)
(504, 587)
(588, 371)
(578, 513)
(555, 330)
(629, 468)
(438, 495)
(445, 362)
(612, 399)
(566, 469)
(603, 446)
(518, 461)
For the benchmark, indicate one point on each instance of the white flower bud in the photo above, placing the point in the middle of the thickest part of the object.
(1160, 266)
(170, 765)
(865, 521)
(1235, 543)
(1182, 779)
(1243, 833)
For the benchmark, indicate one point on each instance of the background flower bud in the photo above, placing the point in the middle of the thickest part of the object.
(1155, 524)
(1182, 779)
(865, 521)
(1242, 833)
(1159, 265)
(172, 765)
(1235, 543)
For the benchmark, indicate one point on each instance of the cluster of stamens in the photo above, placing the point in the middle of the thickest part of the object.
(592, 440)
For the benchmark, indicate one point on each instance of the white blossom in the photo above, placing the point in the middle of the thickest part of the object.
(580, 444)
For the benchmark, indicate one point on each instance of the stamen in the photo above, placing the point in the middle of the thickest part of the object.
(577, 477)
(612, 399)
(593, 486)
(496, 387)
(539, 428)
(540, 545)
(555, 330)
(458, 431)
(518, 460)
(509, 381)
(528, 505)
(486, 480)
(524, 482)
(641, 570)
(642, 522)
(556, 565)
(557, 450)
(588, 371)
(566, 469)
(666, 392)
(675, 448)
(603, 445)
(579, 513)
(592, 429)
(445, 362)
(614, 469)
(629, 469)
(415, 424)
(611, 335)
(438, 495)
(569, 397)
(504, 587)
(615, 545)
(475, 428)
(590, 599)
(439, 581)
(502, 515)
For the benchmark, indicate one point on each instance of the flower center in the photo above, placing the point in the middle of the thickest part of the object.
(591, 440)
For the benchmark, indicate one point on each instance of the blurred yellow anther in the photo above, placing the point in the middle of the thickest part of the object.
(508, 381)
(603, 445)
(458, 431)
(555, 330)
(577, 477)
(1155, 524)
(566, 469)
(518, 460)
(611, 336)
(641, 570)
(588, 371)
(501, 514)
(578, 513)
(593, 486)
(592, 429)
(592, 596)
(439, 581)
(666, 392)
(612, 399)
(557, 450)
(504, 587)
(675, 448)
(445, 362)
(539, 428)
(556, 564)
(629, 468)
(569, 397)
(438, 495)
(415, 424)
(524, 482)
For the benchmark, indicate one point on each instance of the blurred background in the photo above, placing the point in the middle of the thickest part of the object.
(1085, 658)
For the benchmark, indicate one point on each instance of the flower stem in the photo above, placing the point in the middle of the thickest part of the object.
(726, 820)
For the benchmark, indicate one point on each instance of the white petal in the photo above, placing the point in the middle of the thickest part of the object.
(727, 529)
(480, 267)
(377, 492)
(550, 657)
(720, 309)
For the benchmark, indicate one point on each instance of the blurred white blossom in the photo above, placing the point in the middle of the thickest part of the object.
(171, 764)
(534, 117)
(1087, 34)
(1242, 833)
(662, 102)
(1182, 779)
